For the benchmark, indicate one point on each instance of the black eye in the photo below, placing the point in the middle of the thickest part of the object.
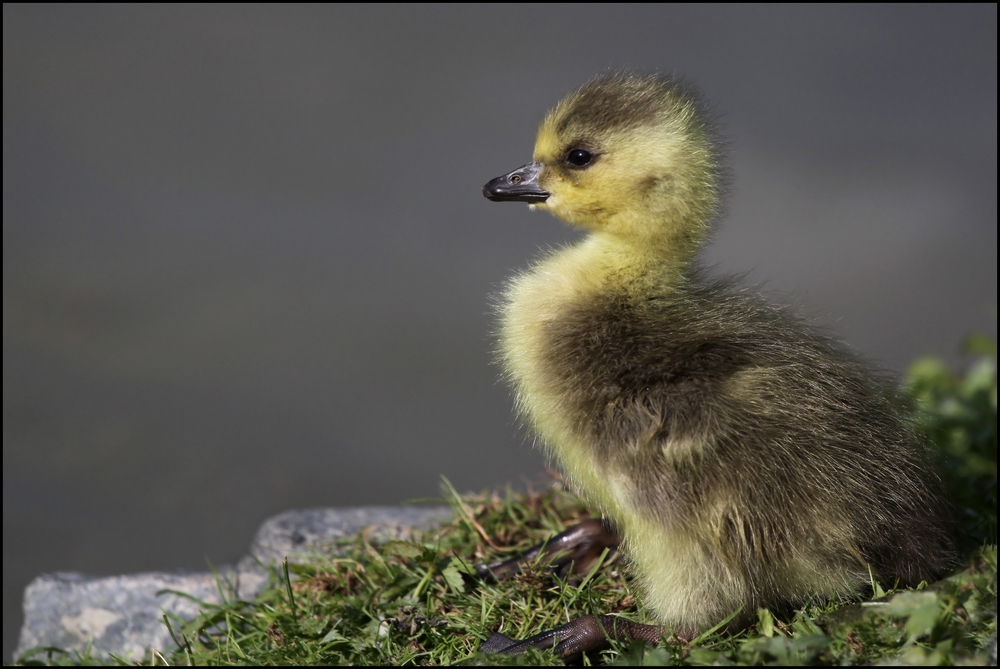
(579, 157)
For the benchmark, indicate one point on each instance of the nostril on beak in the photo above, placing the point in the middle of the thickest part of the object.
(518, 185)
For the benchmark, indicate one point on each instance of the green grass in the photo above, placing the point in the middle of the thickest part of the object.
(414, 602)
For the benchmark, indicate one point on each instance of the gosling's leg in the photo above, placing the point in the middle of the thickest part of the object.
(579, 548)
(582, 635)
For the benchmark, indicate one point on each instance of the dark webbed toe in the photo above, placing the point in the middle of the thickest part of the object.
(576, 549)
(497, 643)
(582, 635)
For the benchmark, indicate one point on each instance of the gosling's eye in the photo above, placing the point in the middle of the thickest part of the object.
(579, 157)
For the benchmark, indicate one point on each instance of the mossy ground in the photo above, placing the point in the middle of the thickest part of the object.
(416, 602)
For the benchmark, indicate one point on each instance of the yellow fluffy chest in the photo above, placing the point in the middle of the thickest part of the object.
(665, 559)
(535, 302)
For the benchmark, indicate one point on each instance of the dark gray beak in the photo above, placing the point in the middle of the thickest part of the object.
(521, 185)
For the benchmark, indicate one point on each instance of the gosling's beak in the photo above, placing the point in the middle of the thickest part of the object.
(521, 185)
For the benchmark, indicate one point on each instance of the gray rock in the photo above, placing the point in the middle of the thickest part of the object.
(123, 615)
(301, 533)
(120, 615)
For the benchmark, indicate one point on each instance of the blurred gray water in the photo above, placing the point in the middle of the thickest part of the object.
(246, 261)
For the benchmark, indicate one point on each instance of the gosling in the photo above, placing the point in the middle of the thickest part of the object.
(746, 460)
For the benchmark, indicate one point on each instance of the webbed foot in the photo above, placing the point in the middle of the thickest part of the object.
(582, 635)
(579, 548)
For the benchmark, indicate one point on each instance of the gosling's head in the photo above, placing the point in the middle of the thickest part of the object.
(631, 155)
